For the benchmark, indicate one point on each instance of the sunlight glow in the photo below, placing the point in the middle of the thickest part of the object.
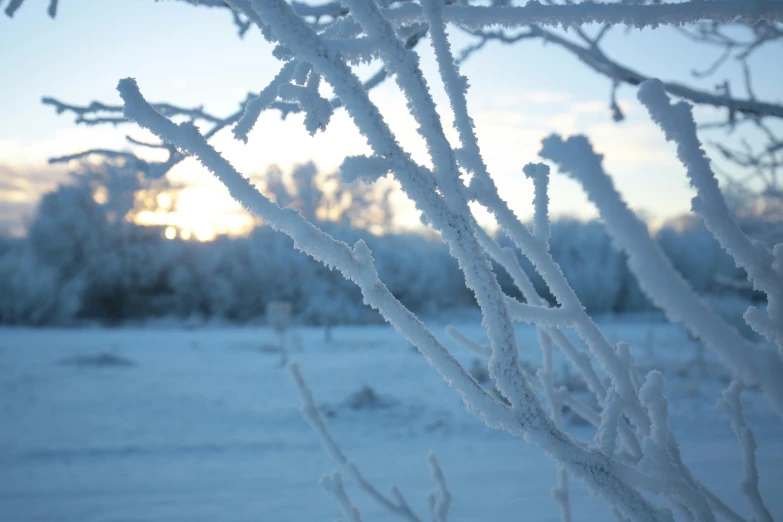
(164, 200)
(204, 233)
(194, 213)
(101, 195)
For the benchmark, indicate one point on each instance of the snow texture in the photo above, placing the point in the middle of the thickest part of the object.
(206, 423)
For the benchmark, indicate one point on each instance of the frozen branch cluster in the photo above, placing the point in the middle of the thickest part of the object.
(634, 463)
(761, 264)
(439, 500)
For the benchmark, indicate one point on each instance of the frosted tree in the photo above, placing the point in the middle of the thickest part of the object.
(634, 462)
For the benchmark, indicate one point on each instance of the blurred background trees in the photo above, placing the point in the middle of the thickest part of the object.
(84, 258)
(88, 257)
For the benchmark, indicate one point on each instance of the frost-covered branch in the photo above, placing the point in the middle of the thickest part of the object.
(730, 404)
(758, 184)
(303, 9)
(356, 263)
(398, 506)
(540, 315)
(538, 253)
(483, 190)
(601, 63)
(99, 113)
(333, 484)
(678, 125)
(506, 258)
(257, 104)
(662, 458)
(570, 14)
(106, 153)
(440, 499)
(587, 12)
(546, 377)
(409, 77)
(317, 110)
(539, 173)
(482, 350)
(763, 325)
(610, 417)
(753, 256)
(656, 275)
(448, 212)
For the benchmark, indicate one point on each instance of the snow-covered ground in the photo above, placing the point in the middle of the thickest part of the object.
(173, 424)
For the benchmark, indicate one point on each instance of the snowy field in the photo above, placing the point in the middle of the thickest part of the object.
(156, 424)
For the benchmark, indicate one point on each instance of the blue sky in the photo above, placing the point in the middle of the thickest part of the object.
(192, 56)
